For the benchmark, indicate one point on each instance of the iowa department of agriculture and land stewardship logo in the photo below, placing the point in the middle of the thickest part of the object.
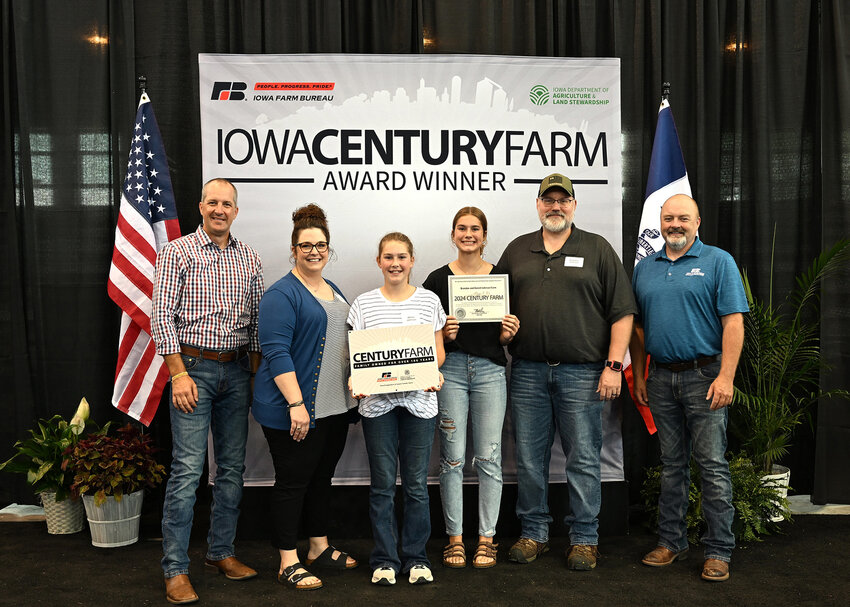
(539, 94)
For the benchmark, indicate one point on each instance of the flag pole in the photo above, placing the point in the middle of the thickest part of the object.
(665, 91)
(143, 82)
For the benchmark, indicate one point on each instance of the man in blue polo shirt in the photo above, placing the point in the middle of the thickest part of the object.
(690, 320)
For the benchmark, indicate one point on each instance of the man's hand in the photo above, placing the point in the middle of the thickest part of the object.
(609, 384)
(184, 394)
(639, 390)
(720, 393)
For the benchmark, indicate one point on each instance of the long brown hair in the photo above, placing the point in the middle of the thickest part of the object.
(479, 215)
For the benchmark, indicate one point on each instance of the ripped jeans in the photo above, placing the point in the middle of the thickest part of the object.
(474, 390)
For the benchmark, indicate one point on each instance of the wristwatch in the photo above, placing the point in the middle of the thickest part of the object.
(614, 365)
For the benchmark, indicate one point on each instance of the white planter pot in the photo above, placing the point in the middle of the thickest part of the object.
(114, 524)
(62, 517)
(780, 478)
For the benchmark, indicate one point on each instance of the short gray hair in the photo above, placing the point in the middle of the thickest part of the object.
(224, 181)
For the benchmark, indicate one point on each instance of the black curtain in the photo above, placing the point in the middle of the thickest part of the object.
(832, 476)
(760, 95)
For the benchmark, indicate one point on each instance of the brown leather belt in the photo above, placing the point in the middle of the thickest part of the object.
(223, 356)
(688, 364)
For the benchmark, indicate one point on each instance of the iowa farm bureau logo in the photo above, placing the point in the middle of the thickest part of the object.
(232, 91)
(539, 94)
(272, 91)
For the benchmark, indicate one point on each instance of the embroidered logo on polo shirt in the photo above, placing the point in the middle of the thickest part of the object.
(695, 272)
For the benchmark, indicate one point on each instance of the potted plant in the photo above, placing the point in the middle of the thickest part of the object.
(754, 502)
(778, 378)
(40, 458)
(111, 473)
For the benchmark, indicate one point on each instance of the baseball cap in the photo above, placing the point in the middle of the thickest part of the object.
(556, 180)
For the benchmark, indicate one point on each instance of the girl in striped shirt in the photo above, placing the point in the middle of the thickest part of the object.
(399, 427)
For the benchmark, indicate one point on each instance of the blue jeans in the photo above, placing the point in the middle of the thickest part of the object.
(394, 438)
(685, 423)
(474, 389)
(224, 391)
(543, 397)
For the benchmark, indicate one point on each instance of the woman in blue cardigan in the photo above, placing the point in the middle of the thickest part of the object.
(301, 398)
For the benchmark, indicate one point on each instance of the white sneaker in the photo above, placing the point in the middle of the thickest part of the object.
(420, 574)
(384, 576)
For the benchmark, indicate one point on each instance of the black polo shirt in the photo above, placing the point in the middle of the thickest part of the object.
(566, 302)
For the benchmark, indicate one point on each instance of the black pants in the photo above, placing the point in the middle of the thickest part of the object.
(303, 473)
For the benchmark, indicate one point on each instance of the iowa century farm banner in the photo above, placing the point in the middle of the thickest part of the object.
(399, 143)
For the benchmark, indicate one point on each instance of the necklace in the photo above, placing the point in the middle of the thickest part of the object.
(475, 271)
(307, 284)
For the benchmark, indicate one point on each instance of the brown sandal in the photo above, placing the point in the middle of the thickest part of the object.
(454, 551)
(485, 550)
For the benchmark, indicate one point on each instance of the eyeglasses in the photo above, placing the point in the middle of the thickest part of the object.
(550, 202)
(307, 247)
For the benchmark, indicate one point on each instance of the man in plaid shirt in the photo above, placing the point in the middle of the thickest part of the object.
(206, 295)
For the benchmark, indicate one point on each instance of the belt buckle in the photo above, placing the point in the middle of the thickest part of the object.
(553, 364)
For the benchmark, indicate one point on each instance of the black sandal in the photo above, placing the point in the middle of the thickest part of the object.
(291, 577)
(327, 561)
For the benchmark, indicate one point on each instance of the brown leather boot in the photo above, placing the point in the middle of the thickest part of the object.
(179, 591)
(661, 557)
(715, 570)
(231, 568)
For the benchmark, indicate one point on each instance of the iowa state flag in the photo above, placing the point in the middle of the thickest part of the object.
(667, 177)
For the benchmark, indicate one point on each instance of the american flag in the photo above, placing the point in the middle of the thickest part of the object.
(147, 219)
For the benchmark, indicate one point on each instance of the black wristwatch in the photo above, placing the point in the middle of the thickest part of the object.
(614, 365)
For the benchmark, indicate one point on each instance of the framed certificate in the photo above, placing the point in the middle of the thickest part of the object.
(393, 359)
(477, 298)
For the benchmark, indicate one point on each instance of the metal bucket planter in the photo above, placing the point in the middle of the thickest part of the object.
(780, 479)
(114, 524)
(62, 517)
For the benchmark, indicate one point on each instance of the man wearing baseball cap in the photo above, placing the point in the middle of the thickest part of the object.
(573, 296)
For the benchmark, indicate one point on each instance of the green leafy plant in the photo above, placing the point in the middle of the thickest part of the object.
(755, 503)
(778, 378)
(114, 465)
(40, 456)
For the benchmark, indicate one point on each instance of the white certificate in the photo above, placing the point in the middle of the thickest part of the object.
(479, 298)
(393, 359)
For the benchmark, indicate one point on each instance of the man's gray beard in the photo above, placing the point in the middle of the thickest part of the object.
(556, 224)
(679, 244)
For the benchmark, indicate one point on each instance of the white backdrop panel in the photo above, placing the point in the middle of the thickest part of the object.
(399, 143)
